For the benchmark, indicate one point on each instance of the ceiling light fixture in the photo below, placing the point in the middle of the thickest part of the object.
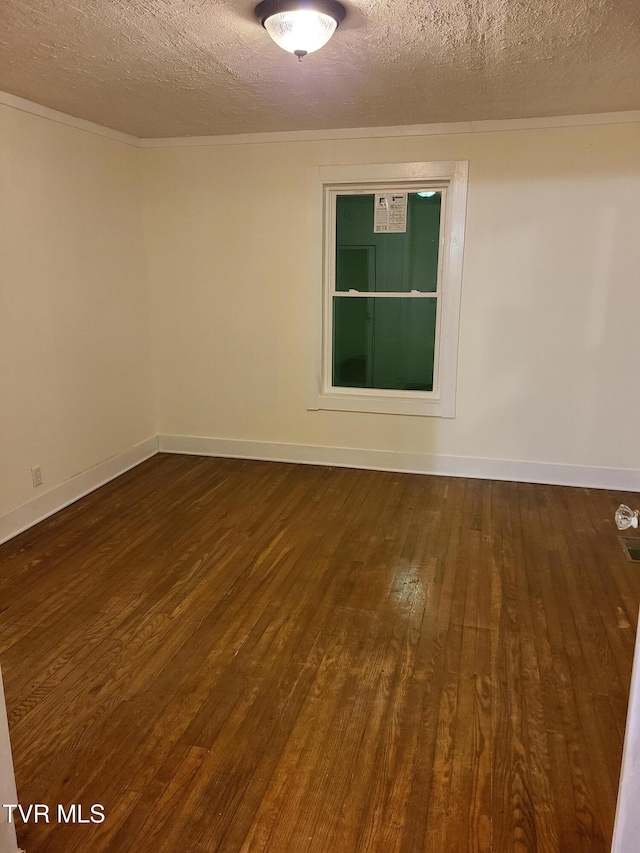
(300, 26)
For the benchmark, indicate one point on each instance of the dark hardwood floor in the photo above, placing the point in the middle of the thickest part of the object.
(257, 657)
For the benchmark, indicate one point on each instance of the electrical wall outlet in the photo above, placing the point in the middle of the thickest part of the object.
(36, 476)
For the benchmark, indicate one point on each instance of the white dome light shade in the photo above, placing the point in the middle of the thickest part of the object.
(303, 30)
(300, 26)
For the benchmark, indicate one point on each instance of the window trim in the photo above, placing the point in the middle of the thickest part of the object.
(441, 402)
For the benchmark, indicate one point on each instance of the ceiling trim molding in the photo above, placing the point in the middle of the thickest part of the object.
(446, 128)
(442, 129)
(63, 118)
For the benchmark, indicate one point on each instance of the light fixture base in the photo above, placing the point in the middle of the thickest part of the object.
(267, 8)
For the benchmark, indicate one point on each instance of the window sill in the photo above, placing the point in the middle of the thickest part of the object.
(384, 404)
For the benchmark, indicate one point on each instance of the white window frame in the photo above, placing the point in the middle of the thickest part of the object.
(449, 177)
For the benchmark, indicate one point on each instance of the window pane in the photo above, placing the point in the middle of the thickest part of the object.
(355, 267)
(392, 263)
(384, 343)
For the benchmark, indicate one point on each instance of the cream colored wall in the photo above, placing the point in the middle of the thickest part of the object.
(549, 305)
(75, 370)
(231, 231)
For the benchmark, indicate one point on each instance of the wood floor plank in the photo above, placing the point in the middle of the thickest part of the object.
(253, 657)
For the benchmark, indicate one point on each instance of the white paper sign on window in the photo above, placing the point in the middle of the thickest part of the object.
(390, 213)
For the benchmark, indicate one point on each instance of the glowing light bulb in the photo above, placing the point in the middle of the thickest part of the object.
(302, 31)
(300, 26)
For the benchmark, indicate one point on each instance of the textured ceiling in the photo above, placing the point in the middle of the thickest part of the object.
(198, 67)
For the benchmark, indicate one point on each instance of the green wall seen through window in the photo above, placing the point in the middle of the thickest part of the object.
(385, 342)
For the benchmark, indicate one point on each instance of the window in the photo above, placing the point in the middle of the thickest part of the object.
(389, 308)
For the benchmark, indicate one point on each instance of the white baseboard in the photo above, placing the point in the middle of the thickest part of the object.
(87, 481)
(76, 487)
(414, 463)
